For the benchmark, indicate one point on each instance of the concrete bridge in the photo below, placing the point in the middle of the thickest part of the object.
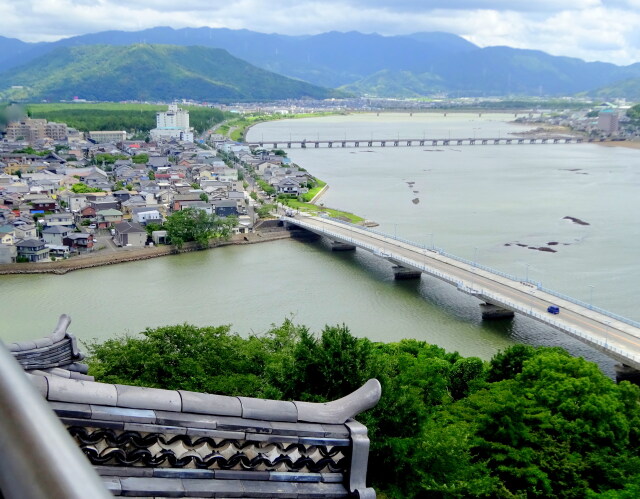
(501, 295)
(340, 143)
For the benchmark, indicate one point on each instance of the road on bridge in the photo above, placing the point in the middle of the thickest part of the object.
(613, 337)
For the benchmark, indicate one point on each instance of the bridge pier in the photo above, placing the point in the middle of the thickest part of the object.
(492, 312)
(401, 273)
(340, 246)
(627, 373)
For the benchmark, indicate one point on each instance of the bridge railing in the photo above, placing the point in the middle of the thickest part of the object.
(491, 270)
(547, 319)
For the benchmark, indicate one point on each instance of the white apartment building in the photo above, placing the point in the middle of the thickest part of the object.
(173, 118)
(172, 124)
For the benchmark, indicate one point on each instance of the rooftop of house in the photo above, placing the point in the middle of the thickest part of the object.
(56, 229)
(109, 213)
(129, 228)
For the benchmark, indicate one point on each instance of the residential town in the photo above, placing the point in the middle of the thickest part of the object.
(70, 194)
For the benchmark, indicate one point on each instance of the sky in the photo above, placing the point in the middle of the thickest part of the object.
(592, 30)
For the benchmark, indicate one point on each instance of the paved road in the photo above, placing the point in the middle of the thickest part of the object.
(614, 337)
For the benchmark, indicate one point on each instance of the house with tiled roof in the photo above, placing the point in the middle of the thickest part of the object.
(54, 234)
(130, 234)
(7, 234)
(107, 218)
(33, 250)
(25, 231)
(80, 242)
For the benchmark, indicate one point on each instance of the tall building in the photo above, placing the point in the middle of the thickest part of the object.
(172, 124)
(173, 118)
(608, 121)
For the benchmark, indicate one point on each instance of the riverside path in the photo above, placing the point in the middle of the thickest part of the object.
(501, 294)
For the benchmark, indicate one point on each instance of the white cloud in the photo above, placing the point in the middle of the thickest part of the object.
(589, 29)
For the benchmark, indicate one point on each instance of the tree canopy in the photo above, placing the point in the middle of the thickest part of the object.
(531, 422)
(192, 224)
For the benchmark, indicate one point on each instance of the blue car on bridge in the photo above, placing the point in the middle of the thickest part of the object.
(553, 309)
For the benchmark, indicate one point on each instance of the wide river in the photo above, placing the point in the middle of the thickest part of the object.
(489, 203)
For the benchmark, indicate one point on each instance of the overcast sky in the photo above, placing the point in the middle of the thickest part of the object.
(602, 30)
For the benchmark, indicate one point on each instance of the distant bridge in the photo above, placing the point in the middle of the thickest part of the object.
(502, 294)
(470, 141)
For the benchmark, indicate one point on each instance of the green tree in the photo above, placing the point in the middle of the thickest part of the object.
(264, 211)
(81, 188)
(107, 158)
(151, 175)
(269, 189)
(197, 225)
(140, 159)
(152, 227)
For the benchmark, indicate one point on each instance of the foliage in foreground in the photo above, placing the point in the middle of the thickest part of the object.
(534, 422)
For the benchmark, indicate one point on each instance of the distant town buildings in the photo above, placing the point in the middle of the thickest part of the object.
(31, 130)
(172, 124)
(101, 136)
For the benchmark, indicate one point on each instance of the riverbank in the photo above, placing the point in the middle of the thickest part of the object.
(237, 130)
(125, 255)
(628, 144)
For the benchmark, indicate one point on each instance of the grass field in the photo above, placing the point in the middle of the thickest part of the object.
(316, 210)
(314, 192)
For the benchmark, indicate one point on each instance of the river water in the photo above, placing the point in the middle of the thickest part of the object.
(489, 203)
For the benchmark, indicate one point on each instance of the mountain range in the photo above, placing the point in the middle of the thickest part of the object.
(149, 73)
(387, 66)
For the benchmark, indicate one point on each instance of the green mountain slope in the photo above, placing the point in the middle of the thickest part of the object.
(149, 72)
(400, 84)
(629, 88)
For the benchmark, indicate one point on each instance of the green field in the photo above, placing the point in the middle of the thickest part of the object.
(314, 209)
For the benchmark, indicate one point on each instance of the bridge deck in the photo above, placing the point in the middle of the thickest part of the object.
(617, 337)
(417, 142)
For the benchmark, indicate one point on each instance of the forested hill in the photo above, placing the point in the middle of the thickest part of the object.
(149, 72)
(533, 422)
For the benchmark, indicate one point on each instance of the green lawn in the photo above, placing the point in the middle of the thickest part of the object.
(316, 210)
(313, 192)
